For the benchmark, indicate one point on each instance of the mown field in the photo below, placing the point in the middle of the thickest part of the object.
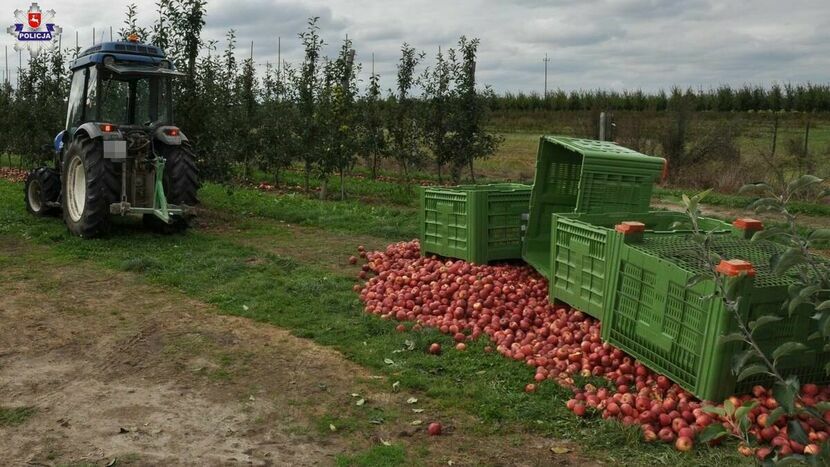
(645, 131)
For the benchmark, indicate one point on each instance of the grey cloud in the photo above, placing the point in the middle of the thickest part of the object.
(648, 44)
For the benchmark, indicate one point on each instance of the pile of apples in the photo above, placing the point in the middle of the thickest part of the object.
(12, 174)
(509, 304)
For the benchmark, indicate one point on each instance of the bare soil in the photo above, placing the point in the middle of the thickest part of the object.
(122, 372)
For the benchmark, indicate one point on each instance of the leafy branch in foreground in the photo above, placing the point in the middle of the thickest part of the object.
(753, 360)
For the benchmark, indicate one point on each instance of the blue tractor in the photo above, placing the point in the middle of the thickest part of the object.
(120, 152)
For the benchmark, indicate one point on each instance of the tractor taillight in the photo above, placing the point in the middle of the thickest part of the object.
(171, 132)
(107, 127)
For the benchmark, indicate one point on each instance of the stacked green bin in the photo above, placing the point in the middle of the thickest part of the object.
(584, 176)
(584, 245)
(652, 314)
(476, 223)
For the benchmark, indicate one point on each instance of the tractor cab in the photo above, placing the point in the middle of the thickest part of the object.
(119, 152)
(125, 84)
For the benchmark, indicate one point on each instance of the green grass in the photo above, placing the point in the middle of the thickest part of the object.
(741, 202)
(15, 416)
(376, 456)
(342, 216)
(319, 304)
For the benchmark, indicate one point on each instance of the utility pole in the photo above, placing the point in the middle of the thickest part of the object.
(93, 36)
(279, 58)
(76, 44)
(8, 81)
(252, 51)
(110, 33)
(546, 60)
(19, 66)
(602, 126)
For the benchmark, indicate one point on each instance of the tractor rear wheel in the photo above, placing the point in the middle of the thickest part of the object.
(43, 186)
(181, 183)
(90, 185)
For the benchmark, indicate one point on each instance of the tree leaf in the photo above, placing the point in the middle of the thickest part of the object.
(803, 182)
(755, 188)
(794, 303)
(712, 432)
(789, 259)
(766, 234)
(729, 407)
(766, 204)
(788, 348)
(823, 305)
(809, 291)
(742, 411)
(411, 400)
(703, 194)
(739, 360)
(752, 370)
(714, 410)
(766, 319)
(823, 406)
(360, 402)
(793, 459)
(796, 432)
(785, 394)
(819, 234)
(732, 337)
(775, 415)
(697, 279)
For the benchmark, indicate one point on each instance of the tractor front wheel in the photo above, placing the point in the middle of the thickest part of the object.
(90, 185)
(43, 187)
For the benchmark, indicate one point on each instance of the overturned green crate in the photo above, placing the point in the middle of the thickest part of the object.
(674, 329)
(584, 176)
(476, 223)
(583, 246)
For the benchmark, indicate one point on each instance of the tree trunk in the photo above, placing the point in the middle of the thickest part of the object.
(307, 174)
(472, 172)
(276, 177)
(375, 158)
(323, 189)
(342, 186)
(439, 173)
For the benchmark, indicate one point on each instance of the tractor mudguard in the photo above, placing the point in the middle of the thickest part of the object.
(161, 135)
(94, 131)
(58, 142)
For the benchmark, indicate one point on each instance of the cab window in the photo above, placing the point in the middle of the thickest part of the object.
(75, 105)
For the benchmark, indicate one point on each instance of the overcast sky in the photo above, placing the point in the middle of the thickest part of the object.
(609, 44)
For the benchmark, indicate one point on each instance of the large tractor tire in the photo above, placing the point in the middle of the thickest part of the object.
(90, 184)
(43, 187)
(181, 184)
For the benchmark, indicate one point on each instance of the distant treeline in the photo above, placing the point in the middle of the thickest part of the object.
(807, 97)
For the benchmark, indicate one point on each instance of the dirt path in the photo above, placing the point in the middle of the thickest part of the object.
(116, 370)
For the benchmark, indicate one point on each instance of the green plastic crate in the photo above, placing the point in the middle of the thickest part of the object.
(584, 176)
(583, 246)
(476, 223)
(673, 329)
